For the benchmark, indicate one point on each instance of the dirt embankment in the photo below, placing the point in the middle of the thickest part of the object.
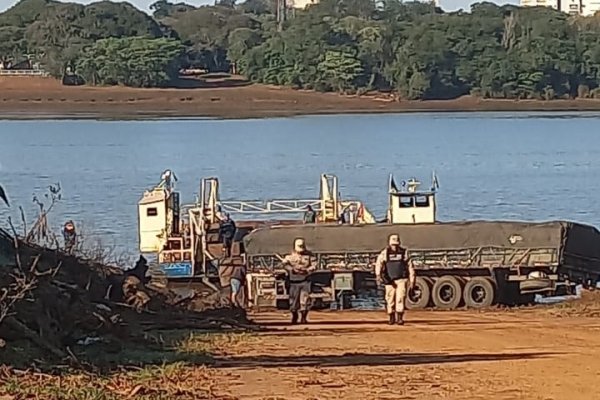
(224, 97)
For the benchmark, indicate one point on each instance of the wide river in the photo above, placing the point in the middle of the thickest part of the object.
(530, 166)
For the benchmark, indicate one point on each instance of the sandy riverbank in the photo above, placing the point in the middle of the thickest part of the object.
(26, 97)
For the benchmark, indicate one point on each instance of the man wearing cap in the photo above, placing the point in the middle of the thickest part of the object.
(395, 270)
(299, 264)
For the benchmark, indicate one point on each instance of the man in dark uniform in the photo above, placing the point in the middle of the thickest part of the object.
(227, 230)
(395, 270)
(299, 264)
(310, 216)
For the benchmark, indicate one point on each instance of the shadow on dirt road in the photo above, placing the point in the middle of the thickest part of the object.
(368, 359)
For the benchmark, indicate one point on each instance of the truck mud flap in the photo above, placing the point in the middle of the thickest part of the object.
(536, 286)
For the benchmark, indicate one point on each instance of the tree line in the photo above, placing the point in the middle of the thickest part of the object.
(413, 49)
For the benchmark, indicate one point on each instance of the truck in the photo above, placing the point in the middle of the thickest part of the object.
(474, 264)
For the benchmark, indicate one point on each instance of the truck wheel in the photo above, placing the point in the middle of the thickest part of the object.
(446, 293)
(419, 296)
(479, 292)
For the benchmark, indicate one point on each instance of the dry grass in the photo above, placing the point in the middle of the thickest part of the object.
(168, 381)
(214, 343)
(179, 371)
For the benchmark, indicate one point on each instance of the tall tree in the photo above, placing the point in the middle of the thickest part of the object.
(133, 61)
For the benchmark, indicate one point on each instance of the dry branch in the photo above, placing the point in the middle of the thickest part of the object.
(65, 305)
(62, 302)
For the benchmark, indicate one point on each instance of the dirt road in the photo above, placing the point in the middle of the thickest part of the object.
(437, 355)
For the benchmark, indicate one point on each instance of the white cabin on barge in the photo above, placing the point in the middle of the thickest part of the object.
(410, 205)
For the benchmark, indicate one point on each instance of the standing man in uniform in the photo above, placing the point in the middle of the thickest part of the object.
(299, 264)
(395, 270)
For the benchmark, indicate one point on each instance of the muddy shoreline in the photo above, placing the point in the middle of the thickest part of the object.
(44, 98)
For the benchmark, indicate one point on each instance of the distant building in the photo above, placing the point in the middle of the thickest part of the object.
(300, 3)
(572, 7)
(540, 3)
(590, 7)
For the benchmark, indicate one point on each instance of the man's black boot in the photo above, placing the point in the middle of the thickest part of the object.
(392, 320)
(400, 318)
(303, 316)
(294, 317)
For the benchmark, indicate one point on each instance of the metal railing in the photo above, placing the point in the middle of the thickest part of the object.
(23, 72)
(270, 207)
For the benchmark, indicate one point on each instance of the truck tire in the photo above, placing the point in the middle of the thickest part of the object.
(479, 292)
(446, 293)
(419, 296)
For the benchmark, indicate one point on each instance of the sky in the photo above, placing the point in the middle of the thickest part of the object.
(447, 5)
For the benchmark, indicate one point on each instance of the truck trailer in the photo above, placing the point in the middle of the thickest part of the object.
(473, 263)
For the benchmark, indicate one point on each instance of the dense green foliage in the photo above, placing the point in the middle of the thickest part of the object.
(131, 61)
(57, 33)
(411, 48)
(422, 53)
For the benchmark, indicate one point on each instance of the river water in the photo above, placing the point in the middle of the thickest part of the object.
(525, 166)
